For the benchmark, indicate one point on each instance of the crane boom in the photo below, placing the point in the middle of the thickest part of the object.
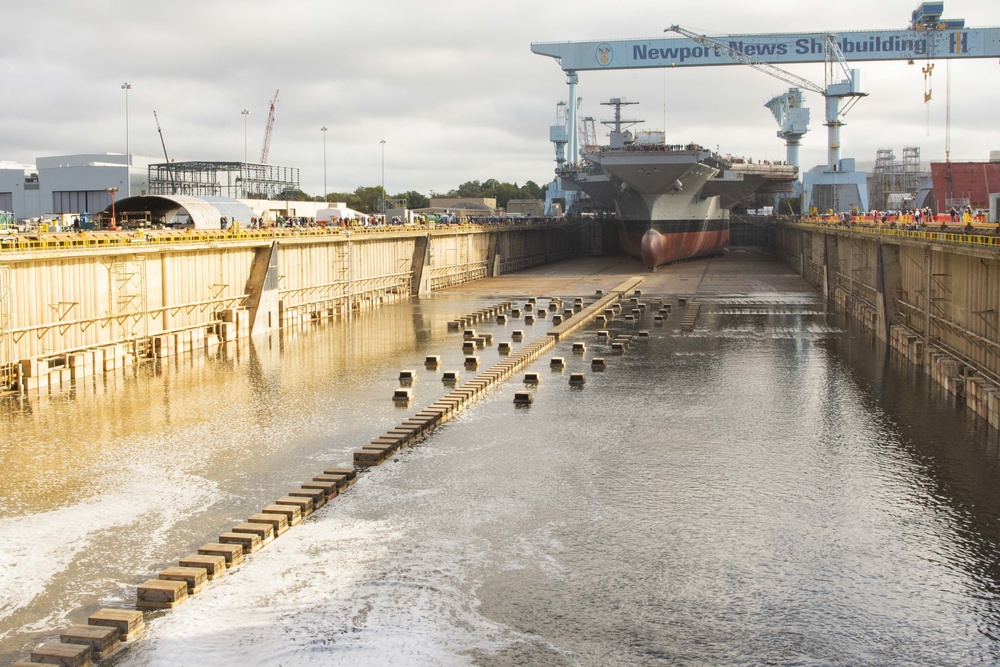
(758, 64)
(170, 171)
(834, 91)
(267, 130)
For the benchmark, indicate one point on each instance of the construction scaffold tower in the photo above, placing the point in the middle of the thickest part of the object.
(894, 183)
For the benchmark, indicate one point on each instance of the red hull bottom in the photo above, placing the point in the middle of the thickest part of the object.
(654, 248)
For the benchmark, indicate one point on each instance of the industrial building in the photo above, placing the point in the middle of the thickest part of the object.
(90, 182)
(81, 183)
(961, 184)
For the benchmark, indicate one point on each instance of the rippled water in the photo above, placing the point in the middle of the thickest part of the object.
(769, 489)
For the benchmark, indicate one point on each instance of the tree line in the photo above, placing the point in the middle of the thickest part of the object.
(364, 198)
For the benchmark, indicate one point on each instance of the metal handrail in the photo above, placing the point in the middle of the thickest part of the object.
(85, 240)
(960, 238)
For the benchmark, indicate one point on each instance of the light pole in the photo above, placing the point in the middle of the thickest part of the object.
(128, 158)
(112, 191)
(383, 174)
(245, 113)
(246, 169)
(323, 130)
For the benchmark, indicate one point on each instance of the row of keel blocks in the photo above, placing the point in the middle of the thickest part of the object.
(106, 629)
(482, 315)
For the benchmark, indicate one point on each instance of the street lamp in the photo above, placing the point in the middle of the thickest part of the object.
(245, 113)
(128, 158)
(245, 169)
(111, 191)
(383, 174)
(323, 130)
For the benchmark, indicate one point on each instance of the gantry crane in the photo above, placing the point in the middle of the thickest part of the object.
(851, 87)
(927, 37)
(267, 130)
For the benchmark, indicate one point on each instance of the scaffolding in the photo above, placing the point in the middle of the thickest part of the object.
(894, 181)
(235, 180)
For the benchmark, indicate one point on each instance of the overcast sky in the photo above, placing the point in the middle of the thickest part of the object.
(450, 85)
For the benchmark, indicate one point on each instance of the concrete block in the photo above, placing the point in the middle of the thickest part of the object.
(265, 531)
(249, 542)
(227, 331)
(366, 457)
(101, 640)
(292, 514)
(67, 655)
(329, 489)
(350, 473)
(232, 553)
(162, 346)
(340, 481)
(161, 594)
(128, 622)
(317, 496)
(213, 565)
(195, 577)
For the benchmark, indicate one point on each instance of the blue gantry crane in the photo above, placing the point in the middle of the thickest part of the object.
(927, 37)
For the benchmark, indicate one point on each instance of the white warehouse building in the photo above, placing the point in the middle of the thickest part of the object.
(71, 183)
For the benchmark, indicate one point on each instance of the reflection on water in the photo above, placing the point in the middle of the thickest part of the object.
(769, 489)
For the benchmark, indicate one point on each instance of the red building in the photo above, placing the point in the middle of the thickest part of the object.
(969, 181)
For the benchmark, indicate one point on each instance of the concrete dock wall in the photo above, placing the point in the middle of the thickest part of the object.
(929, 296)
(71, 309)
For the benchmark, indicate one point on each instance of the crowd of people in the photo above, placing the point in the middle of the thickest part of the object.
(921, 219)
(370, 221)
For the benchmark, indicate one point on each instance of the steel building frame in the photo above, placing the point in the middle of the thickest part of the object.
(236, 180)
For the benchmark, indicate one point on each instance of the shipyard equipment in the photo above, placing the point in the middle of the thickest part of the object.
(835, 91)
(170, 172)
(927, 37)
(267, 130)
(837, 191)
(793, 121)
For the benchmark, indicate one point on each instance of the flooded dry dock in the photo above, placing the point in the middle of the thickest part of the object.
(762, 484)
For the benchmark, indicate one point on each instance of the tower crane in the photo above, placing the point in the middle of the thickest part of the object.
(793, 120)
(267, 130)
(851, 87)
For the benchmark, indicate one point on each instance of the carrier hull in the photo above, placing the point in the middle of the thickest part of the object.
(665, 241)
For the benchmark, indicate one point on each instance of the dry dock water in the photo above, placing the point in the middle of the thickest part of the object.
(716, 471)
